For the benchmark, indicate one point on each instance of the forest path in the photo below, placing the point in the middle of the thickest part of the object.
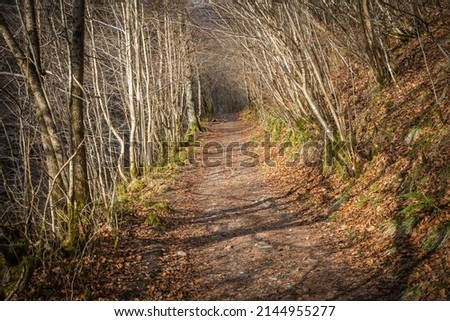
(235, 237)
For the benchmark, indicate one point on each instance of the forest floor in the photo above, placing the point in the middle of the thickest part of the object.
(230, 232)
(233, 226)
(237, 236)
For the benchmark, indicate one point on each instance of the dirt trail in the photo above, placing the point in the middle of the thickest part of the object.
(237, 238)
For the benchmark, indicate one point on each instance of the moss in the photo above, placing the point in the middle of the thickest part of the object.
(191, 136)
(134, 170)
(69, 247)
(377, 98)
(154, 220)
(16, 278)
(275, 127)
(150, 203)
(204, 122)
(87, 294)
(135, 186)
(181, 156)
(157, 205)
(162, 206)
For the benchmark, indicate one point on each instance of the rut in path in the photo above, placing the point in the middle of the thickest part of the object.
(243, 240)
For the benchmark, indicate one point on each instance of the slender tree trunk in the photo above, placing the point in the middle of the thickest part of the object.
(193, 122)
(199, 93)
(34, 48)
(129, 8)
(80, 196)
(190, 104)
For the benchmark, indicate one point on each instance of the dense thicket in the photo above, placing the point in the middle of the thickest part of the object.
(96, 94)
(294, 50)
(108, 95)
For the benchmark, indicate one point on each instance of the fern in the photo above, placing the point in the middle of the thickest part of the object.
(424, 203)
(417, 196)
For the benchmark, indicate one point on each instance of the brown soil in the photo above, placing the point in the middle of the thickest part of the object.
(239, 237)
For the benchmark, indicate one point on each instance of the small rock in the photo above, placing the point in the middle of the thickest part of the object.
(181, 253)
(229, 247)
(331, 295)
(290, 288)
(263, 245)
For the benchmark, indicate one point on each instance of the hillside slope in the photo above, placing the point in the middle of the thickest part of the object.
(396, 212)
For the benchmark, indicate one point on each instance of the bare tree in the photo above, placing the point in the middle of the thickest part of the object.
(79, 195)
